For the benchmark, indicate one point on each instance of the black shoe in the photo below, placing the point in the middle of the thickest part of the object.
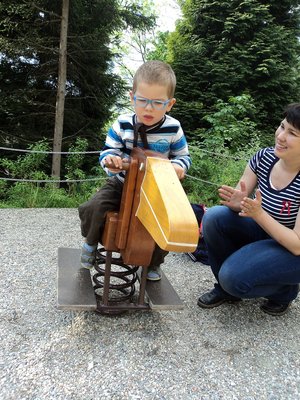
(272, 308)
(212, 299)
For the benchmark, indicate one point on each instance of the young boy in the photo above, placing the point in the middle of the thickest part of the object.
(152, 96)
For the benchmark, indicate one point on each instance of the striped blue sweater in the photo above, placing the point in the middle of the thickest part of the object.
(283, 205)
(168, 138)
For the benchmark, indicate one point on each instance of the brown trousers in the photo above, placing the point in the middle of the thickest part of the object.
(93, 212)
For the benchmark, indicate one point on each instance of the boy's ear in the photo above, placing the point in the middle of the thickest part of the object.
(171, 104)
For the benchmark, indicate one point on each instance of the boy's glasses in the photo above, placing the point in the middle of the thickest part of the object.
(156, 104)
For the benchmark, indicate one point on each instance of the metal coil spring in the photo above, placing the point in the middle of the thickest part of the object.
(119, 271)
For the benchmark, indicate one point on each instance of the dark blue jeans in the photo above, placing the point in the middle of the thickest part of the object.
(245, 261)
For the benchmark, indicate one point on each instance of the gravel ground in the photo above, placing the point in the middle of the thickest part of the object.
(231, 352)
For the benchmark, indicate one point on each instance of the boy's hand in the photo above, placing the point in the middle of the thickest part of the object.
(115, 163)
(179, 171)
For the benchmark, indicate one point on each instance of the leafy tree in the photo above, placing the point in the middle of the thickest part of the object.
(233, 128)
(132, 46)
(29, 67)
(225, 48)
(221, 153)
(160, 51)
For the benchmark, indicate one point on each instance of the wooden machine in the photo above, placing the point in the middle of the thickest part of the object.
(154, 209)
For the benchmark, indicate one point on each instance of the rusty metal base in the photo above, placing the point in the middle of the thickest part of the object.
(115, 285)
(75, 290)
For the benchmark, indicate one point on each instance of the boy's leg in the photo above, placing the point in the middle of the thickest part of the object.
(154, 273)
(93, 215)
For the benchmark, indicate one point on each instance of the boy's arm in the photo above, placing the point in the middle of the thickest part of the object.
(179, 154)
(112, 150)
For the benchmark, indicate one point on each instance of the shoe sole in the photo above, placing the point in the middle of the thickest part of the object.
(274, 313)
(154, 279)
(219, 303)
(203, 305)
(87, 267)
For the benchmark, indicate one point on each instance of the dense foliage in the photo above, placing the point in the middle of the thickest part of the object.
(30, 34)
(213, 164)
(225, 48)
(236, 62)
(35, 188)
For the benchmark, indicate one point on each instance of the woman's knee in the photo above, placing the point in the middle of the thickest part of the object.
(232, 281)
(211, 215)
(214, 217)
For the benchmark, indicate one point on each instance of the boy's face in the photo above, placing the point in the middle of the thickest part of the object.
(149, 115)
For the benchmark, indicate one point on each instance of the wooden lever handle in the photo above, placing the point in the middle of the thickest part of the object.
(125, 165)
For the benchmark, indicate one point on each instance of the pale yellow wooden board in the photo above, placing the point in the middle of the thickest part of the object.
(164, 208)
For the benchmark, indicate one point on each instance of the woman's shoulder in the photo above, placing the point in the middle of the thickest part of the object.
(265, 152)
(269, 150)
(262, 158)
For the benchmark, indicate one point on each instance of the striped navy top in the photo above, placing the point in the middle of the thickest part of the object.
(283, 205)
(166, 138)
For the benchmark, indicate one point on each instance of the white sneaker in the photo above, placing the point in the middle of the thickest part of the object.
(154, 274)
(88, 258)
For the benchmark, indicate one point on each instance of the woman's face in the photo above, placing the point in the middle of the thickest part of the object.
(287, 141)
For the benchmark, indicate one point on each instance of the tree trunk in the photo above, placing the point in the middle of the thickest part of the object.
(61, 89)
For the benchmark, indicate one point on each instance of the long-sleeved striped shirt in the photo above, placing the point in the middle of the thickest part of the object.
(283, 205)
(166, 138)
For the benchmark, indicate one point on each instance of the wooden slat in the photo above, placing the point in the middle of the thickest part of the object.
(110, 229)
(74, 285)
(126, 205)
(161, 295)
(164, 209)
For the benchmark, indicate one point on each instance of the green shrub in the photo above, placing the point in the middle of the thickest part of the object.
(31, 166)
(208, 172)
(221, 155)
(27, 165)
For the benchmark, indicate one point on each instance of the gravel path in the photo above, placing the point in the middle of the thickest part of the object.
(231, 352)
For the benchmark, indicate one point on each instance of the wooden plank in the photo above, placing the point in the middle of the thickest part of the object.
(74, 285)
(109, 235)
(126, 204)
(161, 295)
(168, 218)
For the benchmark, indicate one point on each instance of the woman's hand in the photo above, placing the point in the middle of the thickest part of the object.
(232, 197)
(251, 207)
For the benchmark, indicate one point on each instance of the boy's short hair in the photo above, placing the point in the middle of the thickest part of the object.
(156, 72)
(292, 114)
